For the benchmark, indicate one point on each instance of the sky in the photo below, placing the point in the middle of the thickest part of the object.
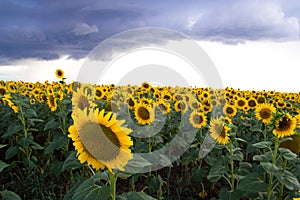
(254, 44)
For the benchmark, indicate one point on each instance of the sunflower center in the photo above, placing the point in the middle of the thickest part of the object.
(130, 102)
(98, 93)
(2, 91)
(220, 130)
(144, 113)
(83, 102)
(197, 119)
(181, 106)
(252, 103)
(99, 141)
(51, 100)
(241, 103)
(265, 113)
(284, 124)
(261, 100)
(229, 110)
(59, 73)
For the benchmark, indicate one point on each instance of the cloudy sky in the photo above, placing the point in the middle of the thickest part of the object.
(254, 44)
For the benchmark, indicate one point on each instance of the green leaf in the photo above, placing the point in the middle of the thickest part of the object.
(198, 174)
(230, 195)
(91, 189)
(2, 145)
(251, 183)
(287, 154)
(269, 167)
(264, 144)
(3, 165)
(36, 146)
(30, 113)
(264, 157)
(288, 179)
(58, 142)
(13, 129)
(216, 173)
(9, 195)
(238, 156)
(51, 124)
(135, 196)
(11, 151)
(71, 162)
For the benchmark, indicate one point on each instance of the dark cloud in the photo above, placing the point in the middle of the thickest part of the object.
(49, 29)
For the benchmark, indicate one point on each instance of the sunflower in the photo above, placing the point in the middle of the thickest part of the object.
(252, 103)
(240, 103)
(261, 99)
(164, 107)
(284, 126)
(59, 73)
(51, 101)
(293, 145)
(100, 140)
(2, 90)
(197, 119)
(144, 114)
(264, 112)
(181, 106)
(81, 99)
(229, 110)
(99, 94)
(219, 131)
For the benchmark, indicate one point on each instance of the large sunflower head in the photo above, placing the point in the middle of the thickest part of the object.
(101, 140)
(219, 131)
(144, 114)
(284, 126)
(264, 112)
(197, 119)
(59, 73)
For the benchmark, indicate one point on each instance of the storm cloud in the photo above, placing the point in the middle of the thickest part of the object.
(50, 29)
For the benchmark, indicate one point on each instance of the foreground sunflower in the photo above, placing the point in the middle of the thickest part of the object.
(264, 112)
(284, 126)
(144, 114)
(100, 139)
(59, 73)
(197, 119)
(219, 131)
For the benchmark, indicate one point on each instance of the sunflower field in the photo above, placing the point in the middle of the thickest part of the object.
(80, 141)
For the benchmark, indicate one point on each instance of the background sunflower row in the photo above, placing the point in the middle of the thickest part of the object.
(39, 115)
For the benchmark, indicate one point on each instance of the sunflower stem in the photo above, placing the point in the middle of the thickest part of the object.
(282, 185)
(231, 166)
(269, 192)
(113, 182)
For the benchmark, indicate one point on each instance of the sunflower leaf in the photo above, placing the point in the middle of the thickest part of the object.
(92, 188)
(135, 196)
(287, 154)
(288, 179)
(71, 162)
(9, 195)
(251, 183)
(261, 145)
(3, 165)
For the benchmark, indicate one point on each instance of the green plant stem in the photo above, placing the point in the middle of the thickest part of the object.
(271, 173)
(282, 185)
(231, 166)
(113, 182)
